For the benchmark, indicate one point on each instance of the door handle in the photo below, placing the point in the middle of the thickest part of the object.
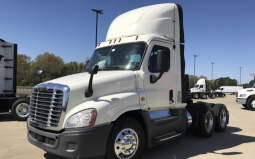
(171, 94)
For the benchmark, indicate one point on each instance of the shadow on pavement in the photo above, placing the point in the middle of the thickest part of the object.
(6, 117)
(191, 146)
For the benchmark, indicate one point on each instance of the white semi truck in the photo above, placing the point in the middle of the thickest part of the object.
(199, 91)
(246, 97)
(131, 97)
(8, 72)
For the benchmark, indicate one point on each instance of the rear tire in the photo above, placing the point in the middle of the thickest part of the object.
(206, 122)
(212, 96)
(20, 109)
(195, 96)
(221, 119)
(251, 103)
(203, 96)
(126, 140)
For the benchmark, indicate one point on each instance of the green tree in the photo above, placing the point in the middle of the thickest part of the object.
(53, 65)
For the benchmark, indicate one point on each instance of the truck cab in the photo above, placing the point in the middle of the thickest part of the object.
(199, 87)
(131, 96)
(246, 97)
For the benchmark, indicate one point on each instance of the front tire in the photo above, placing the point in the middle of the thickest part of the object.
(245, 105)
(20, 109)
(251, 103)
(126, 140)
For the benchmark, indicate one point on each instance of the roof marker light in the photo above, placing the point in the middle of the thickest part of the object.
(110, 41)
(120, 40)
(114, 40)
(136, 37)
(98, 45)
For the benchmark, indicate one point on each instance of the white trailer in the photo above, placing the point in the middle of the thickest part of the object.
(8, 71)
(131, 97)
(229, 89)
(200, 91)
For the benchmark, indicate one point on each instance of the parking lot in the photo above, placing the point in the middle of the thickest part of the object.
(238, 141)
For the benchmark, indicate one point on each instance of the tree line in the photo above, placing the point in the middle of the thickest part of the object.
(53, 66)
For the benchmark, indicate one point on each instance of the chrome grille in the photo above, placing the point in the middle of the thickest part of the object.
(46, 107)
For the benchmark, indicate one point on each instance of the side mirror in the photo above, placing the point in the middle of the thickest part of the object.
(162, 60)
(93, 70)
(40, 73)
(162, 65)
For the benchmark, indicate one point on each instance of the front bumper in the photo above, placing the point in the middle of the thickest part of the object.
(241, 100)
(80, 142)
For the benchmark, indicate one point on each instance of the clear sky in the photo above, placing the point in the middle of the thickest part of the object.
(219, 31)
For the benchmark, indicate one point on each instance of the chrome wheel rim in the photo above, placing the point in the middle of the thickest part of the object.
(196, 96)
(204, 96)
(253, 104)
(22, 110)
(126, 144)
(223, 118)
(208, 121)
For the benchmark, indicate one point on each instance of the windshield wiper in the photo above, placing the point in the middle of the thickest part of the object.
(114, 67)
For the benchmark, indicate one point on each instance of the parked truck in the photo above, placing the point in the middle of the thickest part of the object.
(200, 91)
(246, 97)
(8, 72)
(229, 89)
(131, 97)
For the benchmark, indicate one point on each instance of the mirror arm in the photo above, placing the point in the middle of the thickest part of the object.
(89, 91)
(153, 78)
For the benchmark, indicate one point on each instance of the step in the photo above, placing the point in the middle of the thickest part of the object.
(8, 67)
(7, 59)
(6, 46)
(7, 91)
(166, 137)
(7, 78)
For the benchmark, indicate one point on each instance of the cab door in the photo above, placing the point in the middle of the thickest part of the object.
(161, 94)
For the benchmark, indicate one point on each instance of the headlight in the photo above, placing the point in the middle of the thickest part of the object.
(242, 95)
(81, 119)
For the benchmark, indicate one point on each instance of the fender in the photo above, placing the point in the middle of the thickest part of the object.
(108, 108)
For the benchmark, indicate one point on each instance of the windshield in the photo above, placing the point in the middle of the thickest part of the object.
(196, 86)
(253, 85)
(119, 57)
(219, 88)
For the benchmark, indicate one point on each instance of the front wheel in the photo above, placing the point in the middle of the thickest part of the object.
(245, 105)
(251, 103)
(126, 140)
(20, 109)
(195, 96)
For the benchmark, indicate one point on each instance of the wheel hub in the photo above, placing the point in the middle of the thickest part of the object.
(22, 109)
(209, 121)
(223, 118)
(126, 144)
(253, 103)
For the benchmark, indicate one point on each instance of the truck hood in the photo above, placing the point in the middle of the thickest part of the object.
(104, 83)
(246, 90)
